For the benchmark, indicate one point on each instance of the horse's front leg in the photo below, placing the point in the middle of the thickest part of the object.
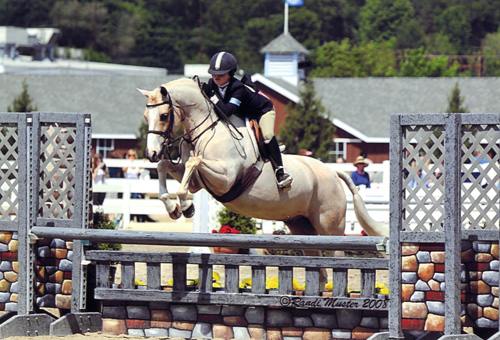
(187, 204)
(171, 201)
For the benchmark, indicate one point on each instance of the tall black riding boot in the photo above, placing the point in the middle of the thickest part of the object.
(282, 178)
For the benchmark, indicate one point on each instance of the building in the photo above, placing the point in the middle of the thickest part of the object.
(39, 43)
(360, 108)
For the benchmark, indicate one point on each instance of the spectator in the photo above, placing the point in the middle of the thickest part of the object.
(133, 172)
(360, 177)
(99, 173)
(419, 172)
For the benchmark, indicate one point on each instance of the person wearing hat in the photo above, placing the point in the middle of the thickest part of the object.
(232, 96)
(360, 177)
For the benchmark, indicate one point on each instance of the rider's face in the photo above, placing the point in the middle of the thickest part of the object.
(221, 79)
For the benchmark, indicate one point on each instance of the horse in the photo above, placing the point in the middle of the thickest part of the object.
(215, 153)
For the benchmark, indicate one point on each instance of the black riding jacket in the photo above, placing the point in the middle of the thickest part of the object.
(241, 100)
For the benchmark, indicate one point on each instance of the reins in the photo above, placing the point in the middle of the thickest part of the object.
(168, 142)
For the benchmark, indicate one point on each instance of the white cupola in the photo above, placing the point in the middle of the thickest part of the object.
(282, 57)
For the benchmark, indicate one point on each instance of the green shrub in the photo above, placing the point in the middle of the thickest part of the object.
(102, 221)
(245, 225)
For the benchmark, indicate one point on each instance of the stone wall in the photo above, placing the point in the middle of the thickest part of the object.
(9, 269)
(53, 273)
(423, 285)
(239, 322)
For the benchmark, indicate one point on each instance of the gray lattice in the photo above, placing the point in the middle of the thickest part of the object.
(480, 177)
(423, 180)
(8, 173)
(57, 171)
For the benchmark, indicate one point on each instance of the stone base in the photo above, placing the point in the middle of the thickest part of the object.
(240, 322)
(460, 337)
(77, 323)
(26, 325)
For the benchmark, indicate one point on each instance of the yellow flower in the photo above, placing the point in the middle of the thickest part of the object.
(189, 282)
(272, 282)
(297, 285)
(329, 286)
(381, 288)
(139, 282)
(246, 283)
(216, 280)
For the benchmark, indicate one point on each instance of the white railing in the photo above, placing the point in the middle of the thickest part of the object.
(376, 198)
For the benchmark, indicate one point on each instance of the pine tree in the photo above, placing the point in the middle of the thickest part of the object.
(23, 102)
(307, 126)
(456, 102)
(142, 139)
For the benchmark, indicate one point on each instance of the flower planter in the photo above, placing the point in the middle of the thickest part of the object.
(226, 250)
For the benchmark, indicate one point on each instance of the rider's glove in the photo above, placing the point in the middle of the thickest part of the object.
(207, 89)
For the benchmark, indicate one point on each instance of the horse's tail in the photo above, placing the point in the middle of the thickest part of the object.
(372, 227)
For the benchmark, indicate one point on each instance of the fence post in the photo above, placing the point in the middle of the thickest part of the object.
(396, 218)
(452, 223)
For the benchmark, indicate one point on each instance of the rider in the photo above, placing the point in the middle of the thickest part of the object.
(231, 96)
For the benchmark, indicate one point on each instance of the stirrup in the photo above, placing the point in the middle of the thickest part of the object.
(286, 180)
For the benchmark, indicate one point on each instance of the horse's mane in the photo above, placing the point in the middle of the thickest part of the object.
(180, 82)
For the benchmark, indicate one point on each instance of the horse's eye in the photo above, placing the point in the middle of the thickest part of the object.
(163, 117)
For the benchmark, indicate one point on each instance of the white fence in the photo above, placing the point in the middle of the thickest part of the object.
(376, 198)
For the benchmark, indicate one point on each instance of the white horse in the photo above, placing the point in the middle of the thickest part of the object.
(215, 155)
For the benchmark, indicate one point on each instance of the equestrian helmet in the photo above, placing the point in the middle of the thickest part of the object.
(222, 63)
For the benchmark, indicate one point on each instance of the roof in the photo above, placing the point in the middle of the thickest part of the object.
(25, 65)
(278, 85)
(284, 43)
(115, 104)
(362, 106)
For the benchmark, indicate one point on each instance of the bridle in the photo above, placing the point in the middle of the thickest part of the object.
(169, 116)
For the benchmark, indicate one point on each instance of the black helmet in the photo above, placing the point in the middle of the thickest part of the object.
(222, 63)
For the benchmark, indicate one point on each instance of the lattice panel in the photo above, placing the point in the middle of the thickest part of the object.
(57, 171)
(8, 173)
(423, 180)
(480, 192)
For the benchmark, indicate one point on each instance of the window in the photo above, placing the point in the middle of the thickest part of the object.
(103, 146)
(338, 150)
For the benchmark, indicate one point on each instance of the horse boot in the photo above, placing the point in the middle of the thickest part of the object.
(283, 179)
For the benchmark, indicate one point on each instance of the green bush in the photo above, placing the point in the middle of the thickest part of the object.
(245, 225)
(102, 221)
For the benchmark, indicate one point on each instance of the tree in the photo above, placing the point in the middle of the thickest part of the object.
(341, 59)
(307, 126)
(23, 102)
(382, 19)
(454, 22)
(417, 64)
(491, 52)
(456, 101)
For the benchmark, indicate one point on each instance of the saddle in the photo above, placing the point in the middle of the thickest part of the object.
(254, 125)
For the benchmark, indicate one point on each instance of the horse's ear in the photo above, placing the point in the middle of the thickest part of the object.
(163, 91)
(144, 92)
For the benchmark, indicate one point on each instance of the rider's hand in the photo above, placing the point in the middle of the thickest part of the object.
(207, 89)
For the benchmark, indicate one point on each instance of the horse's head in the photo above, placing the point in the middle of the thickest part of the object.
(159, 115)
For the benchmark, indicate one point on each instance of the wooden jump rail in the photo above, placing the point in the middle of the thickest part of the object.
(373, 243)
(203, 292)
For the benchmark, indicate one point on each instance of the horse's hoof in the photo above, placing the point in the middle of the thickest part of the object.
(176, 214)
(189, 212)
